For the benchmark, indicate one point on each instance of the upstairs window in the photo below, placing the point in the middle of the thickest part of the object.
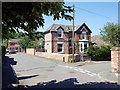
(84, 35)
(59, 32)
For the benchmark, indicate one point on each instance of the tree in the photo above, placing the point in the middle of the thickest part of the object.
(28, 16)
(5, 43)
(26, 42)
(111, 33)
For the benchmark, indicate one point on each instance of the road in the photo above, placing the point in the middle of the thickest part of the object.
(33, 70)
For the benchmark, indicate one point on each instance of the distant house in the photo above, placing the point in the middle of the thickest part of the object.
(13, 44)
(58, 38)
(97, 39)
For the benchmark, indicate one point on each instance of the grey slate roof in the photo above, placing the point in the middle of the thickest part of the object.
(66, 28)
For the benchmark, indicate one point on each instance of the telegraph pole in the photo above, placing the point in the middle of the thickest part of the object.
(73, 35)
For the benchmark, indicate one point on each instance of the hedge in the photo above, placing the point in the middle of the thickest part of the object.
(99, 52)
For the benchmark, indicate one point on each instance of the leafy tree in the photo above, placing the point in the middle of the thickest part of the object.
(5, 43)
(28, 16)
(26, 42)
(111, 33)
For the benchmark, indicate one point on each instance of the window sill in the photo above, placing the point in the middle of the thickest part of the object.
(60, 37)
(60, 52)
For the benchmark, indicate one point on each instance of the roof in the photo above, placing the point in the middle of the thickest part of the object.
(98, 40)
(13, 40)
(66, 28)
(53, 27)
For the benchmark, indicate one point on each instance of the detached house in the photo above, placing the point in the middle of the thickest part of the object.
(13, 44)
(58, 38)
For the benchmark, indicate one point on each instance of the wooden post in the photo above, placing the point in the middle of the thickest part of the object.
(73, 37)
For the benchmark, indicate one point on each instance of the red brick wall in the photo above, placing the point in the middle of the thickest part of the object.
(66, 37)
(66, 44)
(79, 36)
(54, 42)
(88, 36)
(115, 59)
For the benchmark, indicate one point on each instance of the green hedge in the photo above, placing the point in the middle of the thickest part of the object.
(99, 52)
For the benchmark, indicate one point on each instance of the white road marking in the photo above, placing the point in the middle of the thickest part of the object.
(75, 69)
(70, 67)
(90, 74)
(80, 70)
(87, 71)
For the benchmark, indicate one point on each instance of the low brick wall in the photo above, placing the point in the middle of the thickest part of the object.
(115, 59)
(30, 51)
(56, 56)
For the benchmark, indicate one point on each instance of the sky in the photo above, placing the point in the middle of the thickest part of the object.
(94, 14)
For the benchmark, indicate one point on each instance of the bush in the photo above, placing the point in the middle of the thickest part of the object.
(99, 52)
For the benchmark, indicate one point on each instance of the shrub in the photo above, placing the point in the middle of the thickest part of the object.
(99, 52)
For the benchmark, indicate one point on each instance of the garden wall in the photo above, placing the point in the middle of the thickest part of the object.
(115, 59)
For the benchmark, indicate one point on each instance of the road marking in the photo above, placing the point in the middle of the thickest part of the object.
(70, 67)
(80, 70)
(87, 71)
(90, 74)
(76, 69)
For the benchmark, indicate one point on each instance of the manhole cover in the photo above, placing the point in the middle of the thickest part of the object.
(71, 72)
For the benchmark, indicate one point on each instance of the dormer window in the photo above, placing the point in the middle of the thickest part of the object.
(59, 32)
(84, 35)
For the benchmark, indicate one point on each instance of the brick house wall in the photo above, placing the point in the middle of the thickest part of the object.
(55, 40)
(48, 43)
(66, 43)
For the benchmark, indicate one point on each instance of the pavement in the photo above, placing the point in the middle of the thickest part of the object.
(109, 76)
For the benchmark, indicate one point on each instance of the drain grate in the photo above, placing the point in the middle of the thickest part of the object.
(71, 72)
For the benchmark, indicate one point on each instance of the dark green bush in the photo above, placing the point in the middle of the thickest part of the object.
(99, 52)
